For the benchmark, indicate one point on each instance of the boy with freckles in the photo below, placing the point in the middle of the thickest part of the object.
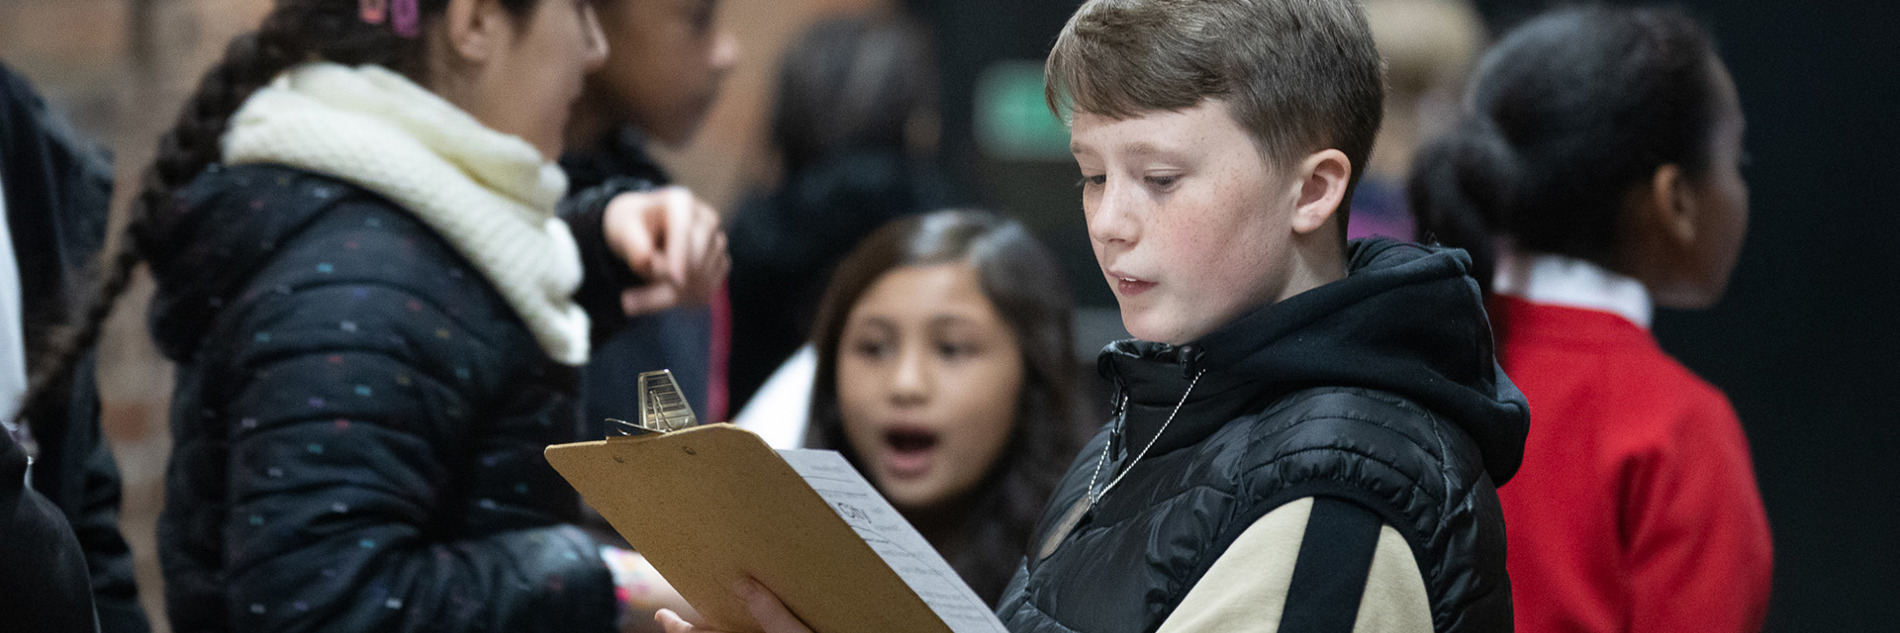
(1309, 432)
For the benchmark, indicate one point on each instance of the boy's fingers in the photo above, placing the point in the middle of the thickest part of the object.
(766, 608)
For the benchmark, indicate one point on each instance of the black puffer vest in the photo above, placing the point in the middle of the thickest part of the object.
(1380, 389)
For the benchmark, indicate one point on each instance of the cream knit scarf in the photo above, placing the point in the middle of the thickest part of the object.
(491, 195)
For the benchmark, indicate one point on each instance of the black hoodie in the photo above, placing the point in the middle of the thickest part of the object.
(1380, 389)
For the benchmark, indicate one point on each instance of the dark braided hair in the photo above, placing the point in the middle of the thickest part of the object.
(1567, 114)
(294, 32)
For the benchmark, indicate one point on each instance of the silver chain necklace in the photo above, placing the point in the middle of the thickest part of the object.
(1082, 506)
(1094, 496)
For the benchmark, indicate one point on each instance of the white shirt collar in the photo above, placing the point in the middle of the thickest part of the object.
(1571, 282)
(12, 339)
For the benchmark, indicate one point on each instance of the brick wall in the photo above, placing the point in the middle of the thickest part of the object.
(120, 68)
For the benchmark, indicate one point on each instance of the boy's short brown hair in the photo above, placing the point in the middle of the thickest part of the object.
(1300, 75)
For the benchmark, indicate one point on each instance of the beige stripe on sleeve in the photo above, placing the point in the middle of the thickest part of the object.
(1395, 597)
(1245, 590)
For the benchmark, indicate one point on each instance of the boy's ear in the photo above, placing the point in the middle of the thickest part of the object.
(1322, 187)
(475, 28)
(1672, 208)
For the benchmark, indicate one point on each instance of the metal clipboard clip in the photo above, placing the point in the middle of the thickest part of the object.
(663, 409)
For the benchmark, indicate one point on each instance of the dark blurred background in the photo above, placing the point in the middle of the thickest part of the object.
(1805, 344)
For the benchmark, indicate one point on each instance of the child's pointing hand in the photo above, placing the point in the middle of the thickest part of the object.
(671, 238)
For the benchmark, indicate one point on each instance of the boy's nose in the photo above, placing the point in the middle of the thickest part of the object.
(1112, 219)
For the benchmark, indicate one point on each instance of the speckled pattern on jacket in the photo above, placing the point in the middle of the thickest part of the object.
(359, 422)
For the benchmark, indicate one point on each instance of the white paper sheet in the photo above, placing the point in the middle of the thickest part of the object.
(894, 540)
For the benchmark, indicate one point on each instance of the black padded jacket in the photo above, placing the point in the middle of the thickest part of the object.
(359, 420)
(57, 191)
(1380, 389)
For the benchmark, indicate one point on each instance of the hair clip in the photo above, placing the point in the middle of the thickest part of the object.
(403, 17)
(372, 11)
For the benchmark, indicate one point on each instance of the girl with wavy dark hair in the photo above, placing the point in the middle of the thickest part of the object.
(945, 373)
(1598, 173)
(378, 318)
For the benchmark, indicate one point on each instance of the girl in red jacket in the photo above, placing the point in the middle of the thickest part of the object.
(1597, 174)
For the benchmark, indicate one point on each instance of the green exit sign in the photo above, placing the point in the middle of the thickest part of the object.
(1013, 121)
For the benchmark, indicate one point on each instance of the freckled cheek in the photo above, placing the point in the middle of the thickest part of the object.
(1190, 249)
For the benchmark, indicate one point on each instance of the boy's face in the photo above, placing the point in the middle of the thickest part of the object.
(1189, 223)
(665, 62)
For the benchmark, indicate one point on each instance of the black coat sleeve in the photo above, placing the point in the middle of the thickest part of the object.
(605, 275)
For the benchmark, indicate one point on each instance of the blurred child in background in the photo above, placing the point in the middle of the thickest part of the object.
(945, 375)
(1599, 168)
(666, 61)
(854, 126)
(1428, 46)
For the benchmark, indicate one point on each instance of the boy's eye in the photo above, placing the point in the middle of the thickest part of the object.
(1163, 182)
(1092, 181)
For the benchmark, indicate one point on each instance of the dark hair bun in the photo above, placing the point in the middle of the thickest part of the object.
(1568, 113)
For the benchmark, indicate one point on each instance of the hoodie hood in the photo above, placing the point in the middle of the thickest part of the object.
(1407, 320)
(213, 240)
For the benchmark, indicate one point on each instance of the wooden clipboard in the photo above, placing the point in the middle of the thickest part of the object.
(711, 504)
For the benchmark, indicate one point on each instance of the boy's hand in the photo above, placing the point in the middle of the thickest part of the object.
(764, 607)
(673, 239)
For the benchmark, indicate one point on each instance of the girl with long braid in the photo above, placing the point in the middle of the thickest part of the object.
(378, 317)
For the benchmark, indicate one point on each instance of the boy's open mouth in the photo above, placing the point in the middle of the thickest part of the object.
(1130, 286)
